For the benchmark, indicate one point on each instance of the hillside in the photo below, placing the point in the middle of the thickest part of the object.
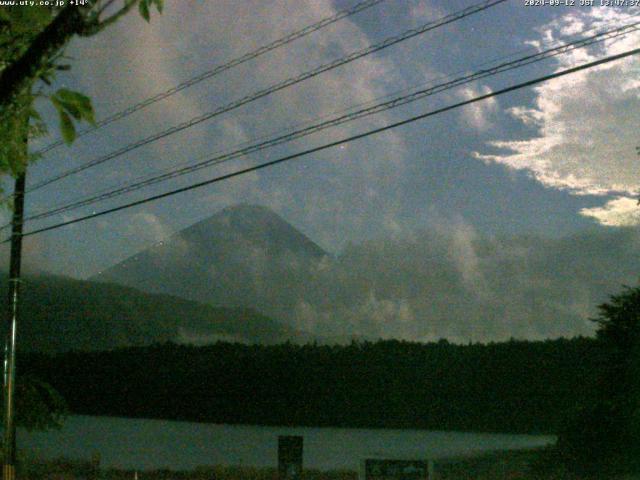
(60, 314)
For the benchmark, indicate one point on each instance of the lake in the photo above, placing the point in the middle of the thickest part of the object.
(152, 444)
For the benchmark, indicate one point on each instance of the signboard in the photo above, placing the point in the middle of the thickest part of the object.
(289, 457)
(388, 469)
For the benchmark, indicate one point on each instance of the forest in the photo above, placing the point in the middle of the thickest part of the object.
(515, 386)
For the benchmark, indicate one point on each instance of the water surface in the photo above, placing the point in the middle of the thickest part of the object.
(150, 444)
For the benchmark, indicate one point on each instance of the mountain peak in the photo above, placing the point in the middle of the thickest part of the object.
(247, 209)
(254, 224)
(233, 258)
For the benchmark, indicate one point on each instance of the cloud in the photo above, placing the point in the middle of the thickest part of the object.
(145, 228)
(148, 227)
(585, 123)
(145, 59)
(461, 243)
(478, 114)
(619, 212)
(451, 282)
(422, 11)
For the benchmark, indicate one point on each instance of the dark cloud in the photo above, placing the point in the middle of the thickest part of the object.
(457, 284)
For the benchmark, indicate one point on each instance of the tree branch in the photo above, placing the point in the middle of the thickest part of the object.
(69, 22)
(18, 75)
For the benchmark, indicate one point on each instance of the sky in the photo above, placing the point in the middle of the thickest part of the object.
(549, 162)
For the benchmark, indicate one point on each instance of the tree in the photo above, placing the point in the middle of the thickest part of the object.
(605, 435)
(619, 333)
(40, 406)
(32, 41)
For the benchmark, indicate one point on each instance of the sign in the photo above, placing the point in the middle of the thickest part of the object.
(386, 469)
(289, 457)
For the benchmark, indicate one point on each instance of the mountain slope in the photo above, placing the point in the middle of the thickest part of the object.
(243, 256)
(60, 314)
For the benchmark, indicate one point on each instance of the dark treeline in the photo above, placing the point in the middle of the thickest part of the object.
(516, 386)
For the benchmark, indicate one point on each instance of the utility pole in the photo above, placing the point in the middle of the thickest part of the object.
(9, 440)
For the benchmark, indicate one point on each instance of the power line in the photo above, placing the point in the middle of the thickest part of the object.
(326, 146)
(297, 125)
(275, 88)
(147, 176)
(623, 30)
(171, 173)
(374, 109)
(222, 68)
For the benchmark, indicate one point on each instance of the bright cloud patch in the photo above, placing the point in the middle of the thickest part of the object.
(587, 122)
(477, 114)
(620, 212)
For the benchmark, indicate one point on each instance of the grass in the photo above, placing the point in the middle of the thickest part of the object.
(64, 469)
(513, 465)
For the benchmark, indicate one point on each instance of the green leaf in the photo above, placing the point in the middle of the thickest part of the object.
(67, 128)
(64, 106)
(77, 104)
(56, 103)
(159, 5)
(72, 109)
(73, 97)
(143, 6)
(89, 115)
